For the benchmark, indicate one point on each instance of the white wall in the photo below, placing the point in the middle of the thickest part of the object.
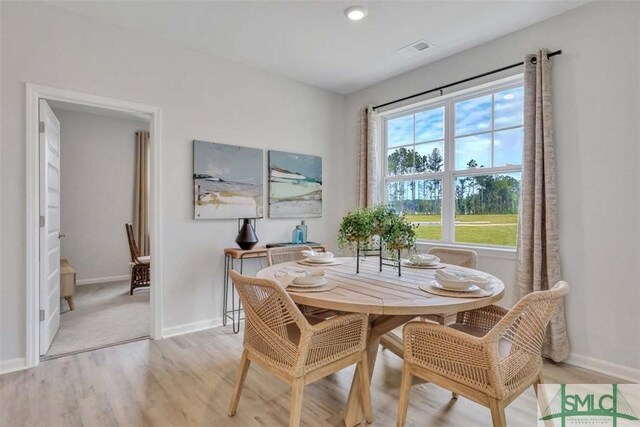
(97, 166)
(596, 116)
(201, 97)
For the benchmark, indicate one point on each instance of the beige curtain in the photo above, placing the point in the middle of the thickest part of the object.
(538, 265)
(141, 207)
(368, 159)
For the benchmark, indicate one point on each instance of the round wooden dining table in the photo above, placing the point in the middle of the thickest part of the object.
(389, 300)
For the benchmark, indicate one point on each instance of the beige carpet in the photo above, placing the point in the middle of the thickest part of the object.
(105, 314)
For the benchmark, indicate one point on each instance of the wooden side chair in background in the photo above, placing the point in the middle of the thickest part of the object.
(280, 339)
(140, 265)
(490, 355)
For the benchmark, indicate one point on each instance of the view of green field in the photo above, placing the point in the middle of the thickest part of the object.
(499, 229)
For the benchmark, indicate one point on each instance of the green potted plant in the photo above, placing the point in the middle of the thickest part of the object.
(356, 229)
(381, 214)
(398, 232)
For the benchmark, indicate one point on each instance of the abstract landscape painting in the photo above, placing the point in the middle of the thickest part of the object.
(295, 185)
(227, 180)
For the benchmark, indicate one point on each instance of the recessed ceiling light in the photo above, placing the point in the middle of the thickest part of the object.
(355, 13)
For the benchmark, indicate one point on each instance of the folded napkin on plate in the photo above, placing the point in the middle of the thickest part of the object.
(424, 259)
(290, 276)
(315, 254)
(458, 276)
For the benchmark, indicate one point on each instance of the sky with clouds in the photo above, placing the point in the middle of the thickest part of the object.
(472, 116)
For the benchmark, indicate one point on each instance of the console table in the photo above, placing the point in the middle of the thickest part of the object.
(230, 256)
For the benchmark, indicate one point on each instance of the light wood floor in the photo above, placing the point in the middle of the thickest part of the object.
(187, 381)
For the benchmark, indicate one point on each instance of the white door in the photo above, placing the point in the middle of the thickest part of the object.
(49, 226)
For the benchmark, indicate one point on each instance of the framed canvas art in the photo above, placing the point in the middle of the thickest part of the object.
(227, 181)
(295, 185)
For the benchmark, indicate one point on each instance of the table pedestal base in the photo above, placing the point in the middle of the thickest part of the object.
(380, 326)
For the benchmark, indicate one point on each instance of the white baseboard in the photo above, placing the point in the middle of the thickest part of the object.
(102, 280)
(188, 328)
(12, 365)
(604, 367)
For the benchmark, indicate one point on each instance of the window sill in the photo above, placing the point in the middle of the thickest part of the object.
(483, 251)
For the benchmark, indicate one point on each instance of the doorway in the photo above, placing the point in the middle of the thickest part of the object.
(43, 229)
(94, 181)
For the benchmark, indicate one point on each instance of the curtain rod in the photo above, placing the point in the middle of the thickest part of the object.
(488, 73)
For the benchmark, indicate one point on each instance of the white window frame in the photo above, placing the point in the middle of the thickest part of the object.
(449, 174)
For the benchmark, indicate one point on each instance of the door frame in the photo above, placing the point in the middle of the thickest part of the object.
(34, 93)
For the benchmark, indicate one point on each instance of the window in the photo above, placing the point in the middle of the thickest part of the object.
(454, 166)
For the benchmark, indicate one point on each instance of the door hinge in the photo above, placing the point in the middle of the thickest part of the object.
(41, 127)
(41, 220)
(42, 315)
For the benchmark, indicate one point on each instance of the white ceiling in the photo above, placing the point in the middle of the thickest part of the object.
(312, 41)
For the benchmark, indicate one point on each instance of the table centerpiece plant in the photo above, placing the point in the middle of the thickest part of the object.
(398, 232)
(381, 226)
(356, 229)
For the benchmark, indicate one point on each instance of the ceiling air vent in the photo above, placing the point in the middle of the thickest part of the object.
(416, 47)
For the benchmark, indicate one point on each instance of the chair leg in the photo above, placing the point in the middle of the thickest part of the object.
(133, 279)
(541, 397)
(497, 413)
(405, 389)
(237, 391)
(365, 386)
(297, 390)
(538, 382)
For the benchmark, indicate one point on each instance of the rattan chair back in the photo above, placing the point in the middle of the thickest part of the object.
(273, 323)
(489, 355)
(285, 254)
(523, 328)
(279, 338)
(461, 257)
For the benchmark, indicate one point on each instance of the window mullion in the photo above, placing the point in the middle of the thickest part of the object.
(488, 171)
(448, 184)
(382, 192)
(493, 130)
(414, 143)
(415, 177)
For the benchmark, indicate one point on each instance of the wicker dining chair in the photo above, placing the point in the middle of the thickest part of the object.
(140, 265)
(490, 355)
(280, 339)
(460, 257)
(285, 254)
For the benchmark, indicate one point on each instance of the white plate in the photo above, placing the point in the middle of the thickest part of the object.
(413, 264)
(319, 261)
(468, 288)
(321, 282)
(334, 261)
